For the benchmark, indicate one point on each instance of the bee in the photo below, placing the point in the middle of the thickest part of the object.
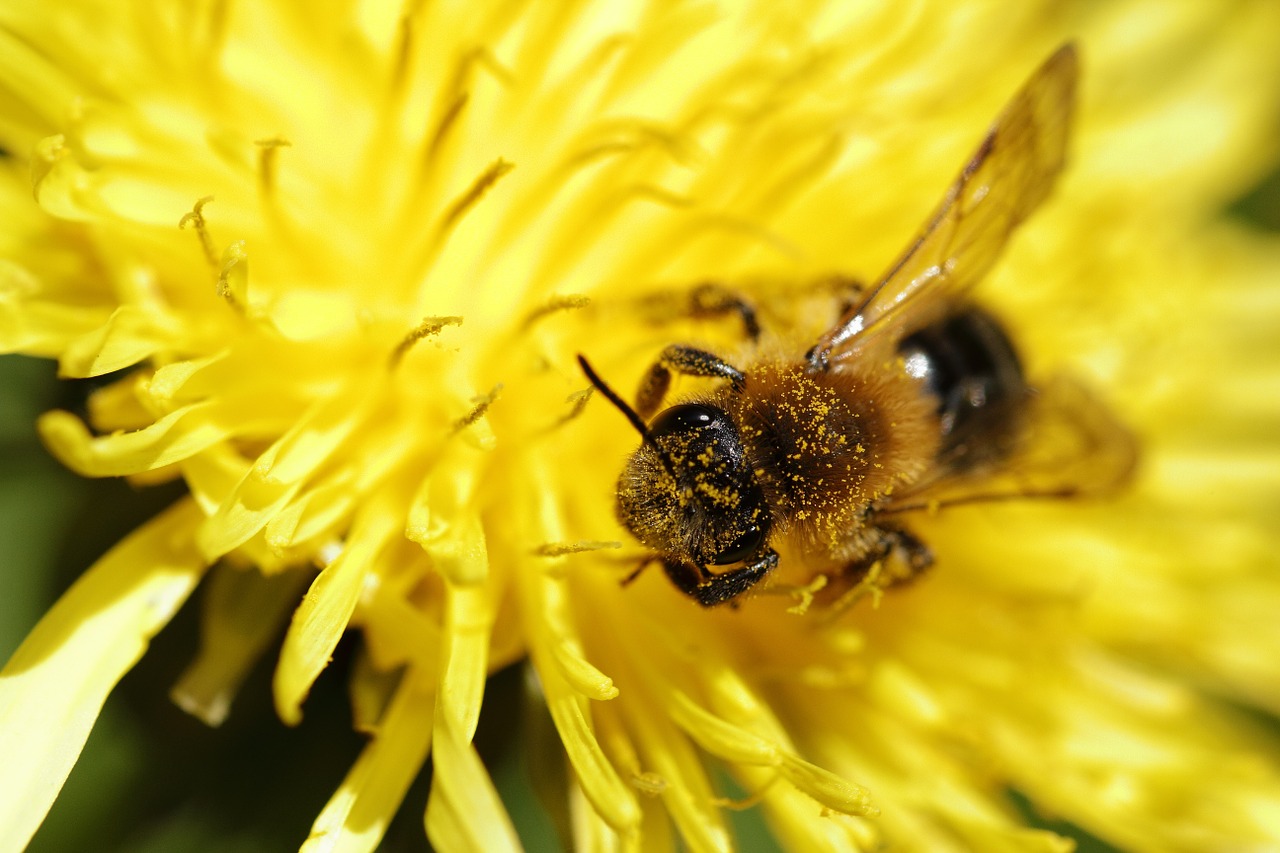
(914, 399)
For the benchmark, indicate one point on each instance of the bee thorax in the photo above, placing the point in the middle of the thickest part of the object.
(827, 446)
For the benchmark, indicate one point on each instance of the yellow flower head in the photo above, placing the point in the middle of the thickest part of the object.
(337, 262)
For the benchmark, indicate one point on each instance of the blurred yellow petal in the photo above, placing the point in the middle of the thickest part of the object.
(125, 339)
(464, 812)
(242, 612)
(170, 439)
(356, 818)
(53, 687)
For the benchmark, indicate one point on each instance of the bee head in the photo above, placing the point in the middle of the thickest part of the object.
(688, 492)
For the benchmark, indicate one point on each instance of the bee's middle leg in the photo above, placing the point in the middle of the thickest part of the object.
(900, 555)
(706, 301)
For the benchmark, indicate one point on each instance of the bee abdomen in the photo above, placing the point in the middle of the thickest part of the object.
(969, 364)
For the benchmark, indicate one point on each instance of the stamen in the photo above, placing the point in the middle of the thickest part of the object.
(482, 405)
(484, 58)
(579, 400)
(458, 86)
(427, 328)
(496, 171)
(404, 48)
(446, 124)
(233, 277)
(556, 303)
(560, 549)
(649, 783)
(268, 157)
(209, 32)
(750, 801)
(868, 584)
(196, 219)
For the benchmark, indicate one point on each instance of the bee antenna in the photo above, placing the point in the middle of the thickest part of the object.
(612, 397)
(635, 419)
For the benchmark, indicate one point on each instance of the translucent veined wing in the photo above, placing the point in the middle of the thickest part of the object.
(1009, 175)
(1061, 443)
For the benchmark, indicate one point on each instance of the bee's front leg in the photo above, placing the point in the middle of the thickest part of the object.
(684, 360)
(710, 589)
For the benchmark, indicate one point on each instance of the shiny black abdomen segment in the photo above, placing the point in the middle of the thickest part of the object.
(968, 362)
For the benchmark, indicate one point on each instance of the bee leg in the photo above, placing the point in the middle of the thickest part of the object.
(635, 573)
(913, 555)
(849, 291)
(710, 589)
(912, 558)
(705, 301)
(713, 300)
(684, 360)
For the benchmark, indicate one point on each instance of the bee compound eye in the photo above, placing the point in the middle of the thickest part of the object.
(743, 547)
(684, 418)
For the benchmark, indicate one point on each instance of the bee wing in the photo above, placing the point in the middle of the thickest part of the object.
(1064, 444)
(1009, 175)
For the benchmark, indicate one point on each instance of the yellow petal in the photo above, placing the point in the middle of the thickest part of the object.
(444, 522)
(395, 632)
(600, 782)
(686, 791)
(827, 788)
(357, 815)
(317, 511)
(31, 322)
(53, 687)
(720, 737)
(371, 691)
(268, 487)
(242, 613)
(464, 812)
(126, 338)
(171, 439)
(546, 598)
(468, 620)
(62, 185)
(322, 618)
(26, 68)
(581, 674)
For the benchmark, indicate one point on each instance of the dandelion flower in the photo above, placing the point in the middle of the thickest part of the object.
(334, 264)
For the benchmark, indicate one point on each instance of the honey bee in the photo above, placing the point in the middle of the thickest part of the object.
(914, 399)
